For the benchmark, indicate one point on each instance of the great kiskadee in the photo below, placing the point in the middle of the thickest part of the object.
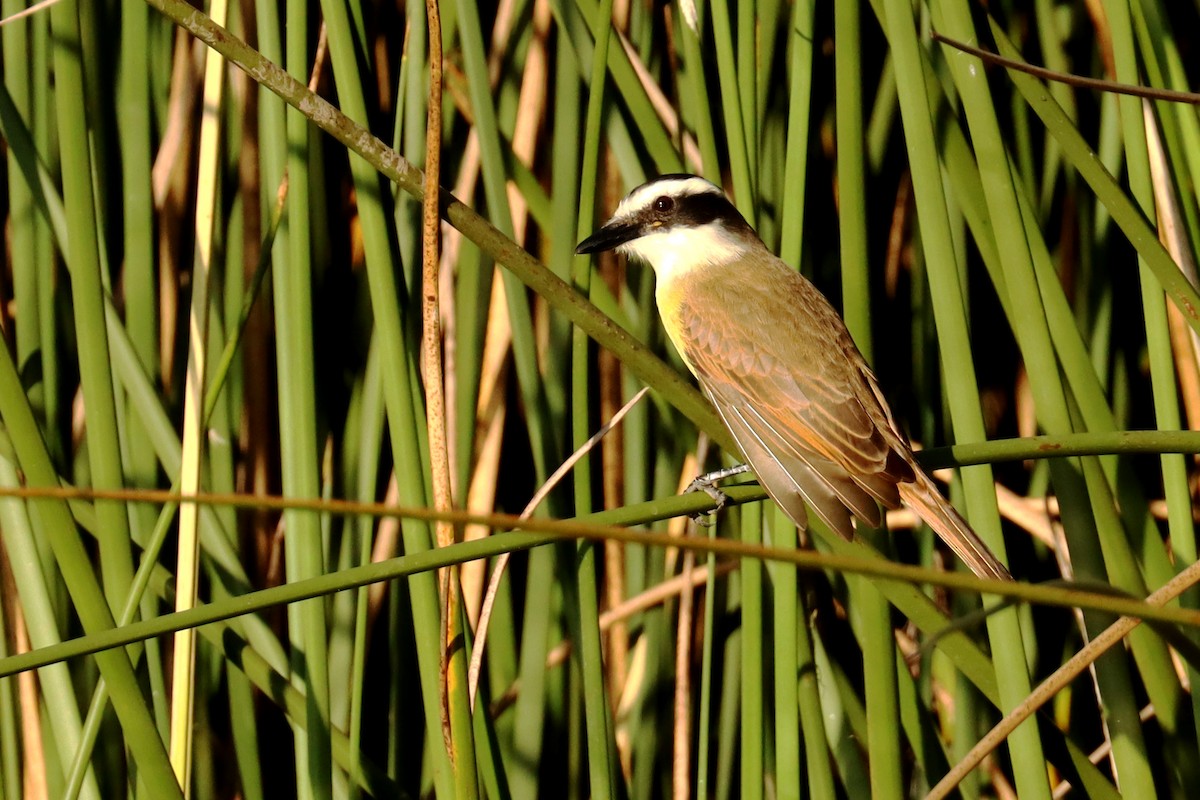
(778, 363)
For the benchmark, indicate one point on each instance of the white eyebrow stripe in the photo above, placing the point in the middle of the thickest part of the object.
(643, 196)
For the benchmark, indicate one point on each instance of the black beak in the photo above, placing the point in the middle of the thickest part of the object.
(610, 236)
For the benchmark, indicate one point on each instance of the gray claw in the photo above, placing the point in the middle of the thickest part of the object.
(707, 483)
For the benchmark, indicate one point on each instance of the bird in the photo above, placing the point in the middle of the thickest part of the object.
(779, 365)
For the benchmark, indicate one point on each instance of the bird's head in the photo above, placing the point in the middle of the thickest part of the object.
(675, 223)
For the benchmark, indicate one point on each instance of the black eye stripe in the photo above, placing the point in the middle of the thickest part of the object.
(695, 210)
(668, 210)
(701, 209)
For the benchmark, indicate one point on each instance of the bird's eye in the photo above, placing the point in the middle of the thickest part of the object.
(664, 204)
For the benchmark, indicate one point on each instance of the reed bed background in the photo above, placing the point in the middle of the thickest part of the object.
(210, 290)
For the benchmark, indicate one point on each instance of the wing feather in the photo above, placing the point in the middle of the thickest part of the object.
(807, 423)
(836, 482)
(780, 484)
(801, 402)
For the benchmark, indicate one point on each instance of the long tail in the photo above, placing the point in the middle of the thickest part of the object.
(923, 497)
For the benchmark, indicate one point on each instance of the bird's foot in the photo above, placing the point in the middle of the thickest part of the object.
(707, 483)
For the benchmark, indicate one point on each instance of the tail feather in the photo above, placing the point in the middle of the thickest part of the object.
(923, 497)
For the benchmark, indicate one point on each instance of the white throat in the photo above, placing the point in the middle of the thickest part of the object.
(680, 250)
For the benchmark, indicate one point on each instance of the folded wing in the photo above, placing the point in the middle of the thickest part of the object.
(802, 405)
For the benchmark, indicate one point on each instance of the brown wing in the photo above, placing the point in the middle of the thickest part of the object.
(800, 400)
